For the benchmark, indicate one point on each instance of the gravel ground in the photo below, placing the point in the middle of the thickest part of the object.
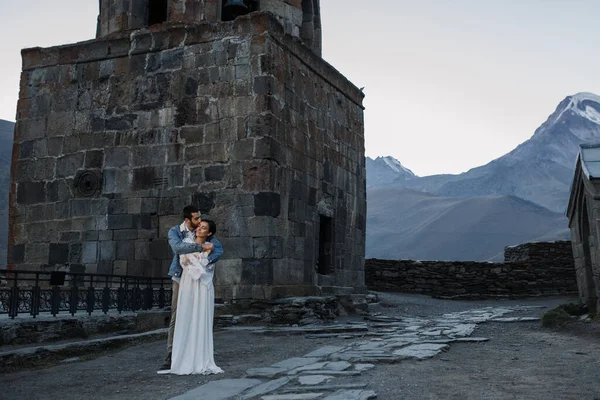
(521, 361)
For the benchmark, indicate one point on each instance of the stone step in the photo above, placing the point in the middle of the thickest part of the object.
(24, 330)
(43, 355)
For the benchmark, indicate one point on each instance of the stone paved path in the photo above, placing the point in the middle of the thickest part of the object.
(323, 373)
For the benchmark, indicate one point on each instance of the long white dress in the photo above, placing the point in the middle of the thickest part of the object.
(193, 338)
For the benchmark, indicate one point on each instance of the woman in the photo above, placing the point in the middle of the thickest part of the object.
(193, 338)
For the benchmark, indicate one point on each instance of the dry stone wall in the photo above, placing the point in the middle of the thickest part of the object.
(557, 252)
(550, 271)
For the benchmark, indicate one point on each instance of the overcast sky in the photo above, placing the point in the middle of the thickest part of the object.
(449, 84)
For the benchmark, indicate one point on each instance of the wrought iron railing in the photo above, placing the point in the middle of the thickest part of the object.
(35, 292)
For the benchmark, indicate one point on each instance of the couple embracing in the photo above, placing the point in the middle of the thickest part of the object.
(190, 340)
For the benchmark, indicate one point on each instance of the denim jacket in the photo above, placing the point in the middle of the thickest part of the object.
(176, 236)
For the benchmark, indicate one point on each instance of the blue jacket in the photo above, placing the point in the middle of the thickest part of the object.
(176, 236)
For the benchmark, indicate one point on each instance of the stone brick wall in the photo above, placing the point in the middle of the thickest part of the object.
(119, 15)
(525, 277)
(321, 128)
(559, 252)
(299, 18)
(115, 136)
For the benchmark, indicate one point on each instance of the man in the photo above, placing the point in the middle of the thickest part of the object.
(187, 229)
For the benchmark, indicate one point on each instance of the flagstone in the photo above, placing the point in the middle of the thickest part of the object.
(265, 388)
(314, 379)
(219, 390)
(352, 395)
(421, 351)
(324, 351)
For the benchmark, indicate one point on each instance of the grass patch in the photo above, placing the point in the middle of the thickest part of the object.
(562, 315)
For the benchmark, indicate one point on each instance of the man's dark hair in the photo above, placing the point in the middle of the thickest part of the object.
(188, 211)
(212, 227)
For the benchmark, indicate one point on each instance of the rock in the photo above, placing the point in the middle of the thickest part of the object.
(265, 388)
(421, 351)
(265, 372)
(338, 366)
(70, 360)
(219, 390)
(515, 319)
(295, 362)
(352, 395)
(363, 367)
(325, 387)
(309, 367)
(324, 351)
(314, 379)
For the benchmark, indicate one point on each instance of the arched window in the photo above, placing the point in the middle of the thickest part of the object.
(230, 11)
(157, 11)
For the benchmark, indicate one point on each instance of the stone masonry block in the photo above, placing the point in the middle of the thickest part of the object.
(267, 204)
(288, 272)
(228, 272)
(37, 253)
(125, 234)
(31, 193)
(116, 157)
(36, 169)
(142, 250)
(257, 271)
(59, 253)
(120, 221)
(215, 173)
(268, 247)
(166, 222)
(16, 253)
(117, 206)
(120, 267)
(145, 178)
(68, 165)
(80, 207)
(206, 153)
(107, 251)
(88, 236)
(192, 134)
(75, 253)
(160, 250)
(30, 129)
(54, 146)
(236, 247)
(125, 250)
(243, 150)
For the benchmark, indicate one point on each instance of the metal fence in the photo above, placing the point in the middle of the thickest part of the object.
(35, 292)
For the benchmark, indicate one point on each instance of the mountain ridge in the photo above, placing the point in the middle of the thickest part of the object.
(532, 182)
(539, 169)
(407, 224)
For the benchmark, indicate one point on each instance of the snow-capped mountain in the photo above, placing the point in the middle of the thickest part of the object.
(539, 170)
(516, 198)
(384, 170)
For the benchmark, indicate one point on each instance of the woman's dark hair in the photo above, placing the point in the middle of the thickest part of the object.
(188, 211)
(212, 227)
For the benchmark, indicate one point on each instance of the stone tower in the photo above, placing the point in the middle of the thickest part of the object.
(185, 101)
